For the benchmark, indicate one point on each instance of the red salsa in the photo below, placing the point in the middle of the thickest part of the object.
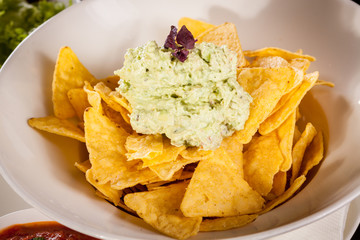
(41, 231)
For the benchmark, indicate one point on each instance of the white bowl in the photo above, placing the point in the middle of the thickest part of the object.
(29, 215)
(39, 166)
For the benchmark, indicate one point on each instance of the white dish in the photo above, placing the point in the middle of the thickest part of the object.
(22, 216)
(39, 166)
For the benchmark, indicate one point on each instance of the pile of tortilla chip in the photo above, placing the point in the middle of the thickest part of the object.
(183, 190)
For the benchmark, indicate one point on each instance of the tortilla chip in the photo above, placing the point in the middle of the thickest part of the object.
(83, 166)
(111, 82)
(299, 149)
(166, 170)
(115, 96)
(116, 117)
(324, 83)
(196, 153)
(62, 127)
(262, 161)
(313, 154)
(234, 148)
(226, 223)
(297, 135)
(154, 185)
(288, 104)
(285, 196)
(227, 194)
(111, 165)
(143, 146)
(300, 64)
(266, 87)
(269, 62)
(94, 98)
(69, 73)
(225, 34)
(272, 51)
(196, 27)
(285, 133)
(79, 101)
(279, 185)
(111, 194)
(104, 92)
(169, 154)
(161, 209)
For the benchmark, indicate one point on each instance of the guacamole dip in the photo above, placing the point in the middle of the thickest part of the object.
(197, 102)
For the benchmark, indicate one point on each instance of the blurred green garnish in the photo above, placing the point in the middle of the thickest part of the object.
(19, 17)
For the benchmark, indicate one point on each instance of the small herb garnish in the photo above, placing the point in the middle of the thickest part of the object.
(180, 42)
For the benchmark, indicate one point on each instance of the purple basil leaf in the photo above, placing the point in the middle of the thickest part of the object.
(181, 54)
(185, 38)
(170, 40)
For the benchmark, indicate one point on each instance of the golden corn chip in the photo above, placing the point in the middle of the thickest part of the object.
(266, 87)
(269, 62)
(100, 134)
(298, 113)
(272, 51)
(300, 63)
(284, 78)
(226, 223)
(288, 104)
(225, 34)
(111, 165)
(110, 194)
(166, 170)
(161, 209)
(79, 101)
(285, 196)
(297, 135)
(104, 92)
(111, 82)
(264, 100)
(116, 117)
(154, 185)
(313, 154)
(234, 148)
(69, 73)
(80, 125)
(83, 166)
(186, 174)
(217, 189)
(134, 176)
(143, 146)
(94, 98)
(196, 153)
(299, 149)
(57, 126)
(169, 154)
(196, 27)
(279, 185)
(285, 133)
(324, 83)
(115, 96)
(262, 161)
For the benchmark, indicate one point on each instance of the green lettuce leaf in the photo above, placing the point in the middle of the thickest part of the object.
(19, 17)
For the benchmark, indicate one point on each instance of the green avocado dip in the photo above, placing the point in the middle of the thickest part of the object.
(197, 102)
